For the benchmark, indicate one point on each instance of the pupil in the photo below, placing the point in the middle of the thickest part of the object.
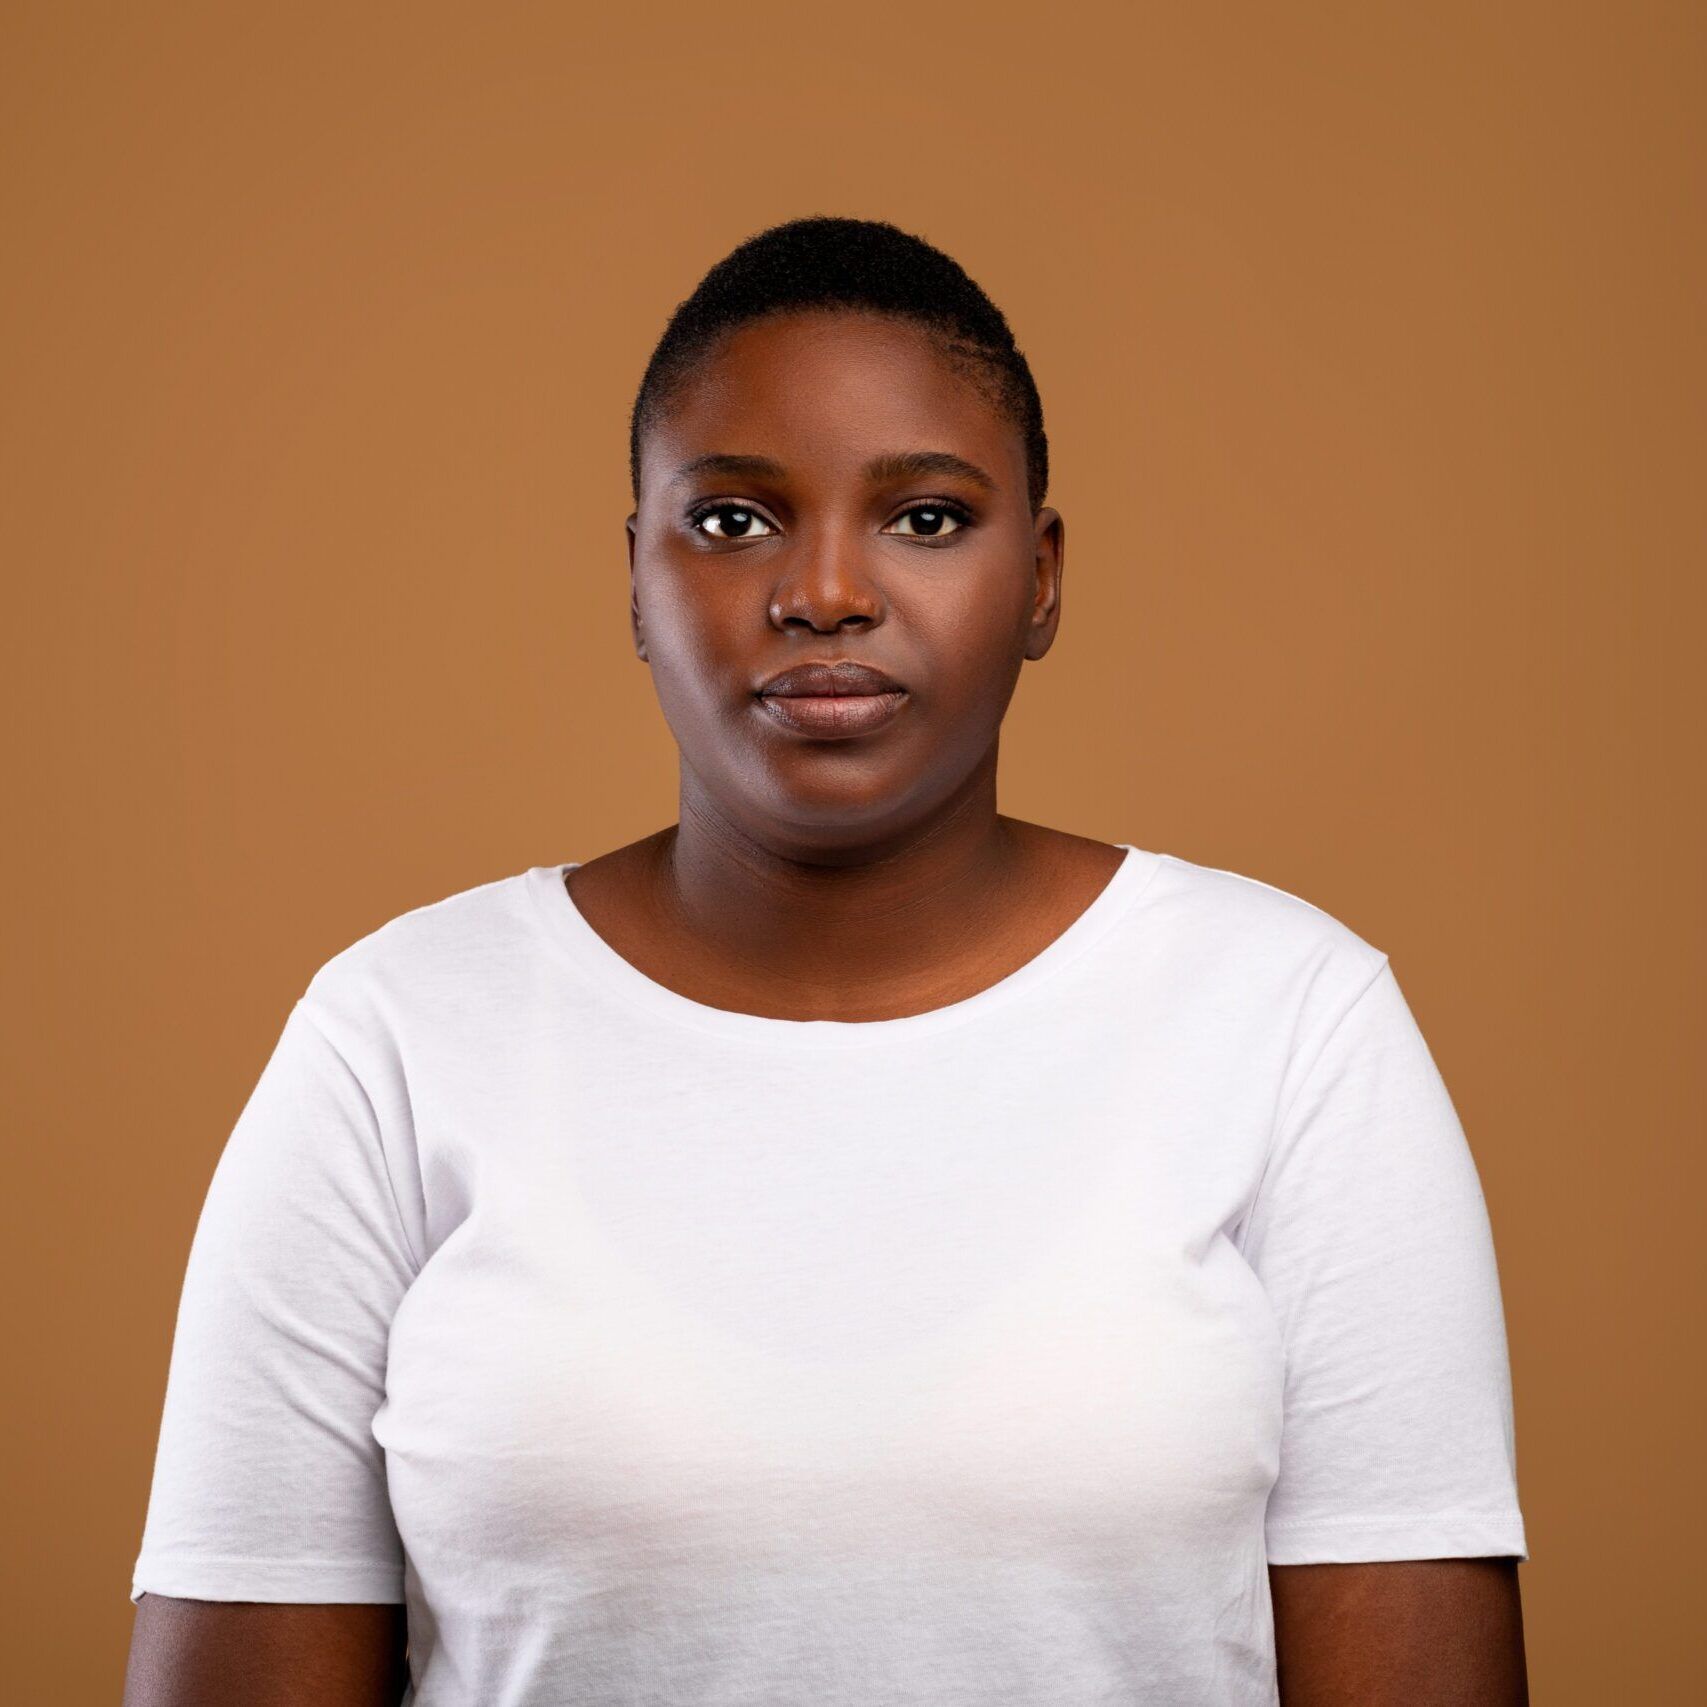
(739, 517)
(929, 521)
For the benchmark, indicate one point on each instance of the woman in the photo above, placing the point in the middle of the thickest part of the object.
(849, 1246)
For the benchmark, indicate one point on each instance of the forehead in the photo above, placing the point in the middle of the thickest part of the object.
(824, 392)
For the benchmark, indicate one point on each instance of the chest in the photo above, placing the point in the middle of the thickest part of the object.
(988, 1295)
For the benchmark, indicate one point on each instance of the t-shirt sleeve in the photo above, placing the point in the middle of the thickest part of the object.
(1371, 1236)
(269, 1484)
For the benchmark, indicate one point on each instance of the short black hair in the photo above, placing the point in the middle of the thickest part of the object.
(864, 264)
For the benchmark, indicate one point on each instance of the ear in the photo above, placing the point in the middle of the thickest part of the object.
(634, 597)
(1049, 549)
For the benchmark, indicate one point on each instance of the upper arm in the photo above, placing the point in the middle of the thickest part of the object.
(270, 1551)
(201, 1653)
(1394, 1530)
(1416, 1633)
(1372, 1241)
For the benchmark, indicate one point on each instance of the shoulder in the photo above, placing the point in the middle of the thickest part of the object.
(1254, 966)
(1236, 928)
(445, 957)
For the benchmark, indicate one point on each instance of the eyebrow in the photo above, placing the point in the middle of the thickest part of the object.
(895, 465)
(904, 465)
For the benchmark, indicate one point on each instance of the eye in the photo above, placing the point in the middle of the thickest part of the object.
(929, 521)
(733, 521)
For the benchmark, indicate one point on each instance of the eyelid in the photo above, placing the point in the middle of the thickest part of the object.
(727, 502)
(954, 506)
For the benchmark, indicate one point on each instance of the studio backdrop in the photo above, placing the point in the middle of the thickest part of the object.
(1370, 344)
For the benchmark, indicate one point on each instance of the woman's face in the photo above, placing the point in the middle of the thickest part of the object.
(829, 488)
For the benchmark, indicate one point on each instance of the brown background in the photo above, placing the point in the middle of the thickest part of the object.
(1370, 341)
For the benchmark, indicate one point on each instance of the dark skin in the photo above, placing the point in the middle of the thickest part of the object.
(853, 879)
(219, 1653)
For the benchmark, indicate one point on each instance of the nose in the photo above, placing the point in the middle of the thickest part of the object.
(824, 585)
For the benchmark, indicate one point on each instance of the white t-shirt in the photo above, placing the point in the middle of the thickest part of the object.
(658, 1353)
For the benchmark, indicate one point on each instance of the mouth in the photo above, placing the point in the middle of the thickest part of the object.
(832, 700)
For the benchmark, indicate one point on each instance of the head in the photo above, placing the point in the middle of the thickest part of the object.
(838, 458)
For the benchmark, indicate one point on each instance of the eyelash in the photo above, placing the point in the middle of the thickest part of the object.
(962, 516)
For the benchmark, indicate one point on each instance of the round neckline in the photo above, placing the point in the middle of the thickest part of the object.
(568, 929)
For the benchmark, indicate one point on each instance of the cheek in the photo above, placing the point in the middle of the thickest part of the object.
(974, 638)
(695, 639)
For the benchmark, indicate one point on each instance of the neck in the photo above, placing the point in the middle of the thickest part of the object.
(849, 910)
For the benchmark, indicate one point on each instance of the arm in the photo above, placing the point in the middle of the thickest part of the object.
(209, 1653)
(1416, 1633)
(1393, 1528)
(271, 1572)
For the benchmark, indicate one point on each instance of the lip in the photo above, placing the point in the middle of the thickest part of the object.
(832, 701)
(842, 677)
